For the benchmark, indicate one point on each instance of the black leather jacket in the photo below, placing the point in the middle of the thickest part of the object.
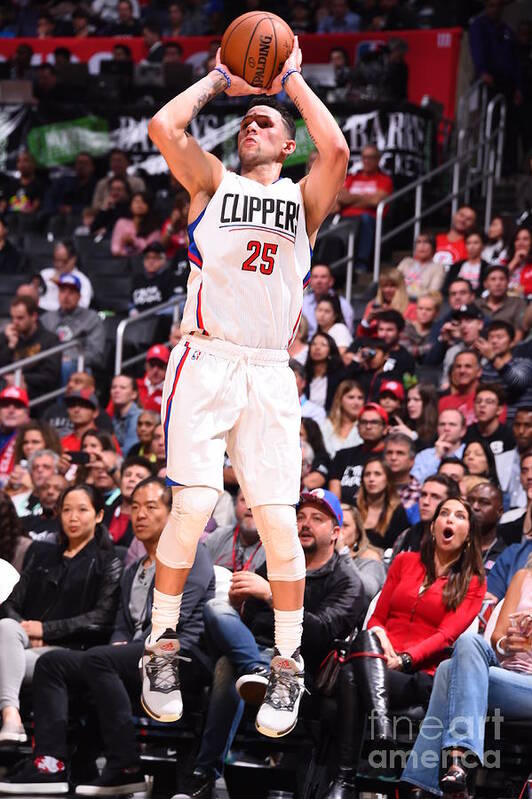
(75, 598)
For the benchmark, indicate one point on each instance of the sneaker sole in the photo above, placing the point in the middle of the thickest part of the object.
(15, 738)
(251, 691)
(274, 733)
(115, 790)
(166, 719)
(33, 788)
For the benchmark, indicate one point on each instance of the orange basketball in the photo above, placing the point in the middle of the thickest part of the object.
(255, 47)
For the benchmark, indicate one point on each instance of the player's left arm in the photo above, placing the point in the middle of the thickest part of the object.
(326, 177)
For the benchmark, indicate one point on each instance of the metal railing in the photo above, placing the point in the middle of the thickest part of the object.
(17, 367)
(491, 142)
(120, 363)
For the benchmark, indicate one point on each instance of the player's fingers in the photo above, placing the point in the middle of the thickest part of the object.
(218, 57)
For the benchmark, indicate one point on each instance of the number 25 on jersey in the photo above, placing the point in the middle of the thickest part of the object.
(265, 252)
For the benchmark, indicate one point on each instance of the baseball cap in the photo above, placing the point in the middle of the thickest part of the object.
(158, 353)
(374, 406)
(392, 387)
(320, 496)
(468, 312)
(86, 395)
(15, 393)
(70, 280)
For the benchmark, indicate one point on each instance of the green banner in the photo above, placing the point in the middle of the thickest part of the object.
(60, 142)
(304, 146)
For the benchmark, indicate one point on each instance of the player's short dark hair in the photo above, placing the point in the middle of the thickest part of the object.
(500, 324)
(271, 102)
(393, 317)
(166, 490)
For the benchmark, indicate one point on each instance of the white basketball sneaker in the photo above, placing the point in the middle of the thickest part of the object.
(277, 715)
(161, 693)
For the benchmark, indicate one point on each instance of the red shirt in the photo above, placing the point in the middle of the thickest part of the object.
(418, 623)
(526, 279)
(359, 183)
(459, 402)
(449, 252)
(150, 396)
(71, 443)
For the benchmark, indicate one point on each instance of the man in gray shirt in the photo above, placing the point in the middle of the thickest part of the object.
(72, 320)
(237, 548)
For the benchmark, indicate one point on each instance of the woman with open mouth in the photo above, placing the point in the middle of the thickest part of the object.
(429, 598)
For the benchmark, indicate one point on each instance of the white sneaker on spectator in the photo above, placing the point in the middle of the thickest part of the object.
(13, 732)
(277, 715)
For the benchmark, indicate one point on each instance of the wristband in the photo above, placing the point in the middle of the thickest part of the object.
(225, 74)
(287, 75)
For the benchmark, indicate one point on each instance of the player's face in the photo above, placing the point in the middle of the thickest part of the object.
(262, 136)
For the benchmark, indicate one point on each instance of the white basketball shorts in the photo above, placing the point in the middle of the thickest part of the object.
(220, 397)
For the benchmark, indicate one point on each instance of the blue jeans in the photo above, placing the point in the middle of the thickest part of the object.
(465, 688)
(365, 239)
(238, 653)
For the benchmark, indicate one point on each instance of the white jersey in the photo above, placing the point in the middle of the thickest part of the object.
(250, 259)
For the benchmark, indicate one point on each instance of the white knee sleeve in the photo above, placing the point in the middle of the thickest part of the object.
(278, 532)
(191, 510)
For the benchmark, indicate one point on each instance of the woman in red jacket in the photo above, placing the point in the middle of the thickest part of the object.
(428, 599)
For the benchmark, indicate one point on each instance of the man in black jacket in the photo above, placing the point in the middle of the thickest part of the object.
(25, 336)
(111, 672)
(241, 630)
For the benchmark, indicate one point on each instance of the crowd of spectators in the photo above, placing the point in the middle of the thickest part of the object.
(416, 431)
(187, 18)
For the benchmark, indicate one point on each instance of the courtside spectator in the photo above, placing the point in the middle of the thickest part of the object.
(147, 421)
(513, 373)
(497, 305)
(126, 411)
(150, 387)
(450, 246)
(509, 463)
(435, 489)
(25, 336)
(399, 456)
(359, 198)
(132, 235)
(237, 548)
(322, 285)
(64, 259)
(451, 431)
(486, 503)
(464, 377)
(488, 406)
(156, 283)
(82, 407)
(42, 465)
(57, 414)
(472, 267)
(309, 409)
(117, 516)
(27, 191)
(71, 321)
(118, 168)
(14, 412)
(10, 257)
(340, 429)
(416, 336)
(420, 272)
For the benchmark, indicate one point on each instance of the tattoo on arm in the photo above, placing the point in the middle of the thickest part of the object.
(297, 102)
(207, 94)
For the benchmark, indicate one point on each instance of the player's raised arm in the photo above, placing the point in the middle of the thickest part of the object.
(194, 168)
(327, 174)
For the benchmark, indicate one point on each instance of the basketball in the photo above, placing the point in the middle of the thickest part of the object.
(255, 47)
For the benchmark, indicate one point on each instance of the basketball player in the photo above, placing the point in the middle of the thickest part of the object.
(228, 385)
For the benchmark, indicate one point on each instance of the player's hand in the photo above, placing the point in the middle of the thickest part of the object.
(238, 87)
(292, 62)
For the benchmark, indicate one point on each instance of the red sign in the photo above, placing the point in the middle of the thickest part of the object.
(432, 55)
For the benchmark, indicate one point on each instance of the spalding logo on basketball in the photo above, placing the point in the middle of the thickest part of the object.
(255, 47)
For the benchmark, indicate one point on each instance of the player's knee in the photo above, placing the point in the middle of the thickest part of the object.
(191, 509)
(277, 528)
